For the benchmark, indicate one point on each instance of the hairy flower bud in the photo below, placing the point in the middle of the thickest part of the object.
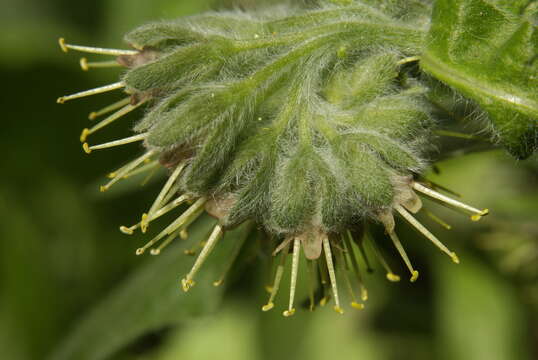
(311, 125)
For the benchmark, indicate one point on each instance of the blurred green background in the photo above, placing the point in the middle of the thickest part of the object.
(71, 287)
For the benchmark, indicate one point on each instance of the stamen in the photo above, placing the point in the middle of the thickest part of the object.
(294, 272)
(94, 50)
(411, 220)
(108, 109)
(362, 251)
(192, 212)
(115, 173)
(99, 90)
(403, 254)
(351, 252)
(377, 252)
(162, 211)
(88, 149)
(109, 120)
(437, 219)
(278, 277)
(164, 191)
(188, 281)
(132, 165)
(85, 65)
(322, 265)
(476, 214)
(435, 186)
(408, 60)
(231, 260)
(164, 244)
(341, 262)
(311, 269)
(332, 275)
(173, 191)
(146, 167)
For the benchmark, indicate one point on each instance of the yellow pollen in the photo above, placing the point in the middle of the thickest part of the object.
(478, 217)
(393, 277)
(357, 306)
(126, 230)
(338, 309)
(144, 223)
(187, 284)
(289, 312)
(268, 306)
(86, 148)
(84, 135)
(84, 64)
(61, 42)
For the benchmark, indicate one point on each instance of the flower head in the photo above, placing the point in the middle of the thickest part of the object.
(311, 125)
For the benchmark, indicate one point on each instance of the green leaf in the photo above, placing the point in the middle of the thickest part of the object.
(151, 299)
(487, 50)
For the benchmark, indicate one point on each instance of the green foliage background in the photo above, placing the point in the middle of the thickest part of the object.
(71, 287)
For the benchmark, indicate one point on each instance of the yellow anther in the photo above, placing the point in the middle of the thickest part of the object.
(364, 294)
(84, 135)
(393, 277)
(60, 100)
(268, 306)
(414, 277)
(84, 64)
(126, 230)
(187, 284)
(184, 234)
(140, 251)
(218, 283)
(478, 217)
(339, 310)
(357, 306)
(455, 257)
(86, 148)
(269, 288)
(144, 223)
(155, 252)
(93, 115)
(189, 252)
(111, 175)
(103, 188)
(289, 313)
(61, 42)
(323, 301)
